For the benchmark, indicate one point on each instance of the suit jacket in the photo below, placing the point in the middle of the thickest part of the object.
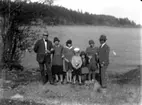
(39, 48)
(104, 54)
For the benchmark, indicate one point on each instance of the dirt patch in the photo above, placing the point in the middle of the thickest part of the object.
(132, 77)
(17, 102)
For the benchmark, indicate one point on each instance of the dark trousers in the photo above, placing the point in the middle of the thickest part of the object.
(46, 71)
(103, 78)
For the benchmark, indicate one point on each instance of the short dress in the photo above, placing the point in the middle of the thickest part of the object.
(84, 67)
(76, 65)
(68, 54)
(57, 62)
(93, 61)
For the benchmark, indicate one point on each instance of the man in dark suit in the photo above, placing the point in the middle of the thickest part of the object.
(103, 53)
(43, 48)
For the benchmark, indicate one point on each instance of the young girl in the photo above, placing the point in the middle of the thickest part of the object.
(57, 62)
(92, 52)
(76, 64)
(84, 67)
(68, 53)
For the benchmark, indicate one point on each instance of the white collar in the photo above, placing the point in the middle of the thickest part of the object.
(103, 45)
(44, 40)
(69, 47)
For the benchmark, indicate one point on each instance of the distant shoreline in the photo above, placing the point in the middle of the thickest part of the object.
(95, 26)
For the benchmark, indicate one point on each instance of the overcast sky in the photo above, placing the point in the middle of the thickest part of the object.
(118, 8)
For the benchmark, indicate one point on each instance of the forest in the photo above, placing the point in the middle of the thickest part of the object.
(58, 15)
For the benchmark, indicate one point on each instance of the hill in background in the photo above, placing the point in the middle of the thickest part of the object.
(57, 15)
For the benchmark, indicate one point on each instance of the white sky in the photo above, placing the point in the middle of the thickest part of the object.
(117, 8)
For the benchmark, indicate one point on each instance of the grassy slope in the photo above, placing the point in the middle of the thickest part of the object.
(119, 91)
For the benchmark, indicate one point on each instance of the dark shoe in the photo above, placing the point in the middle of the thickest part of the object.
(79, 84)
(67, 82)
(52, 83)
(62, 83)
(43, 82)
(56, 81)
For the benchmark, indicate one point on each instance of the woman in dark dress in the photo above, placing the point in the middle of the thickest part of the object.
(57, 61)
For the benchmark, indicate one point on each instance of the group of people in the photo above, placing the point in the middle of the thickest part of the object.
(68, 64)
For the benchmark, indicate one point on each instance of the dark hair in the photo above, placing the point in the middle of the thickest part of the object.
(86, 57)
(56, 39)
(91, 42)
(69, 42)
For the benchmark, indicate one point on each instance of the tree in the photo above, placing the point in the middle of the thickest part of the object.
(16, 34)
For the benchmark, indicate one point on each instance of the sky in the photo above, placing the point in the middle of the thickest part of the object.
(118, 8)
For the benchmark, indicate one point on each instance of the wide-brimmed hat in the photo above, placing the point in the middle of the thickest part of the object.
(46, 34)
(103, 37)
(76, 49)
(56, 39)
(91, 42)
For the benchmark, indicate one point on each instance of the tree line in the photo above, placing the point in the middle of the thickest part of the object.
(58, 15)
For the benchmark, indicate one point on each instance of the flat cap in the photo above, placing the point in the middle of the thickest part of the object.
(46, 34)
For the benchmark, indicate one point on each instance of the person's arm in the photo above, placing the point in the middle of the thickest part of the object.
(51, 51)
(107, 54)
(86, 51)
(73, 62)
(80, 63)
(63, 55)
(36, 46)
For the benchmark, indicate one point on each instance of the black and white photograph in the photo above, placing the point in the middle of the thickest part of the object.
(70, 52)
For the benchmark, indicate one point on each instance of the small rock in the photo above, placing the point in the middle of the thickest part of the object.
(17, 96)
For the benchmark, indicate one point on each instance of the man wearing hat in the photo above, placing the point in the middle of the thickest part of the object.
(43, 48)
(103, 61)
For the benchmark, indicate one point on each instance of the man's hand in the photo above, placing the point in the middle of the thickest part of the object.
(89, 58)
(102, 64)
(97, 71)
(47, 51)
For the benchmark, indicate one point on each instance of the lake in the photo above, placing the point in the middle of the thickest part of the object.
(126, 42)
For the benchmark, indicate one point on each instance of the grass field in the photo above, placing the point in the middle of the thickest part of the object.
(124, 72)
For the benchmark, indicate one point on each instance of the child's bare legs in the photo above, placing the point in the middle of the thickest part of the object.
(67, 76)
(61, 77)
(74, 79)
(56, 77)
(93, 76)
(70, 76)
(80, 81)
